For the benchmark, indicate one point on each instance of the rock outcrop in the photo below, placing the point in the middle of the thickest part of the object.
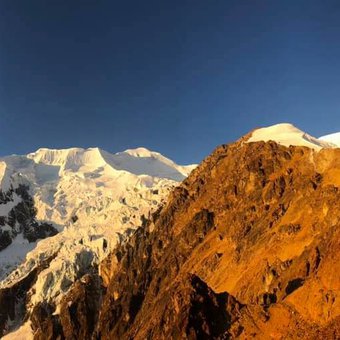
(247, 247)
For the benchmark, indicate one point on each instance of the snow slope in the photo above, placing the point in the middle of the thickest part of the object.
(333, 138)
(287, 134)
(92, 197)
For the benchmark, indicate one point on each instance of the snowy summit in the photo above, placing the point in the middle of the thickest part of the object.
(287, 134)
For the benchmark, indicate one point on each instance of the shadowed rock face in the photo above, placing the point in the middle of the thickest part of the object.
(13, 299)
(247, 247)
(78, 312)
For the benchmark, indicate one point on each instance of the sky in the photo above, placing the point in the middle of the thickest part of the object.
(179, 77)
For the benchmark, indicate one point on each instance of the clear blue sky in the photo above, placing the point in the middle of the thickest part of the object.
(179, 77)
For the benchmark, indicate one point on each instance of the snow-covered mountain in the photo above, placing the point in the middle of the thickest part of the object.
(86, 200)
(92, 198)
(81, 185)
